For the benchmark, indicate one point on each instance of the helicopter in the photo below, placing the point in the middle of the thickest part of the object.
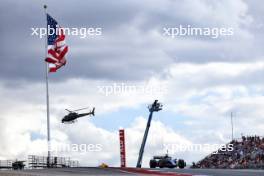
(73, 115)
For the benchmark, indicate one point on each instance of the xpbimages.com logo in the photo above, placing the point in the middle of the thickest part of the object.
(214, 32)
(50, 30)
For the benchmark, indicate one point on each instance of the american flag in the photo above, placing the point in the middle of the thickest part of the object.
(57, 47)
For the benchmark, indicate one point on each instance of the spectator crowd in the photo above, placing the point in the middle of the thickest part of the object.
(247, 153)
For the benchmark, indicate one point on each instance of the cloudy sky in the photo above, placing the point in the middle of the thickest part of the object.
(199, 79)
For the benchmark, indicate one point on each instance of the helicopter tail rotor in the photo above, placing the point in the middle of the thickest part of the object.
(93, 111)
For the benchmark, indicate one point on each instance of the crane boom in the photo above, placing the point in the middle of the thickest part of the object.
(154, 107)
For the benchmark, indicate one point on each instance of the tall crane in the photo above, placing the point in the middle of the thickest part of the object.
(152, 108)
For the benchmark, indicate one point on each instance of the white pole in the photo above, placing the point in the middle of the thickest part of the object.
(232, 125)
(47, 96)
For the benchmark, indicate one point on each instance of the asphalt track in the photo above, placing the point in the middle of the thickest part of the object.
(131, 171)
(218, 172)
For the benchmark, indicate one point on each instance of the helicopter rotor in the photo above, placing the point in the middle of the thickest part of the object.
(76, 109)
(80, 109)
(68, 110)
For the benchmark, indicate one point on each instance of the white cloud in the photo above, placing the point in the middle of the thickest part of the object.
(207, 93)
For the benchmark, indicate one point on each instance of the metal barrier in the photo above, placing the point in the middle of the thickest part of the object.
(5, 164)
(55, 162)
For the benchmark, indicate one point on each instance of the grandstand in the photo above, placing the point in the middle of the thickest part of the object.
(247, 153)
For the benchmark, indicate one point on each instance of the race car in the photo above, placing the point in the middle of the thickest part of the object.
(166, 161)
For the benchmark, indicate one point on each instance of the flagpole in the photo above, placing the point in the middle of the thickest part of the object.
(47, 95)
